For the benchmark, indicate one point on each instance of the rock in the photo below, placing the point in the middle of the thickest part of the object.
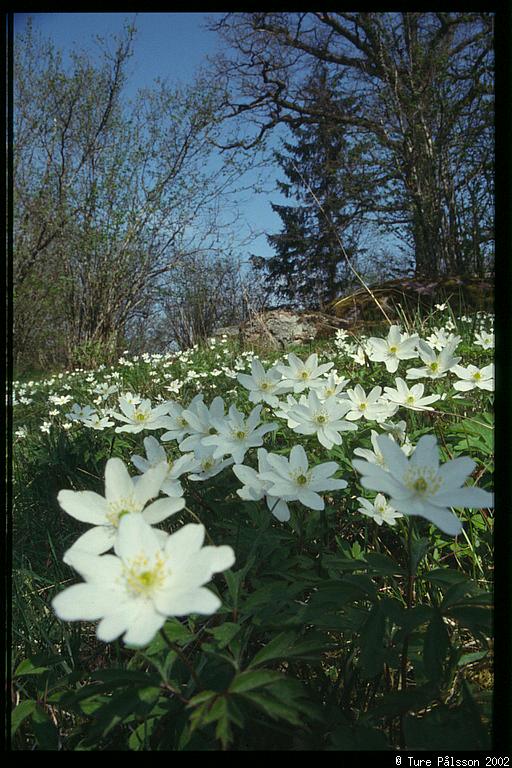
(278, 328)
(465, 295)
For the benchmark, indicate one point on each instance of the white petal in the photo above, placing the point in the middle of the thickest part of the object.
(426, 453)
(161, 509)
(86, 506)
(184, 542)
(103, 570)
(96, 540)
(144, 628)
(135, 535)
(199, 600)
(469, 496)
(84, 602)
(455, 472)
(118, 483)
(445, 520)
(154, 450)
(148, 486)
(279, 508)
(393, 455)
(117, 621)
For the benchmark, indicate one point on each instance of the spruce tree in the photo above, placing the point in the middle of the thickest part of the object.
(310, 268)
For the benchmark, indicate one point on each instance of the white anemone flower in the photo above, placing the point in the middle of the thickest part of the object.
(133, 592)
(397, 431)
(331, 386)
(299, 375)
(80, 412)
(419, 486)
(256, 487)
(474, 378)
(236, 433)
(410, 398)
(379, 510)
(156, 453)
(321, 418)
(123, 496)
(484, 339)
(177, 423)
(397, 346)
(285, 406)
(207, 465)
(376, 456)
(439, 339)
(141, 416)
(357, 354)
(98, 421)
(368, 406)
(262, 385)
(199, 418)
(436, 365)
(292, 480)
(60, 399)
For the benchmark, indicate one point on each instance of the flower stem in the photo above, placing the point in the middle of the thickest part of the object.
(179, 653)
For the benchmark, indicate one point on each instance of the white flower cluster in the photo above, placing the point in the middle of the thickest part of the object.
(152, 574)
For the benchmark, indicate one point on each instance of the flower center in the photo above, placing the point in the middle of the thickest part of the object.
(393, 350)
(422, 480)
(143, 577)
(321, 418)
(420, 485)
(141, 416)
(264, 385)
(240, 434)
(120, 508)
(207, 464)
(302, 479)
(304, 375)
(434, 366)
(182, 422)
(477, 376)
(362, 406)
(409, 399)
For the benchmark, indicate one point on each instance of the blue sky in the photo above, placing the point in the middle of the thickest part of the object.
(167, 45)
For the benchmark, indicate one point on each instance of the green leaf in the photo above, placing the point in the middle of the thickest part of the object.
(415, 616)
(419, 549)
(399, 702)
(251, 679)
(200, 698)
(177, 632)
(273, 707)
(122, 707)
(27, 667)
(436, 647)
(442, 576)
(22, 711)
(474, 617)
(445, 729)
(119, 677)
(371, 642)
(225, 633)
(357, 738)
(383, 565)
(45, 731)
(288, 644)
